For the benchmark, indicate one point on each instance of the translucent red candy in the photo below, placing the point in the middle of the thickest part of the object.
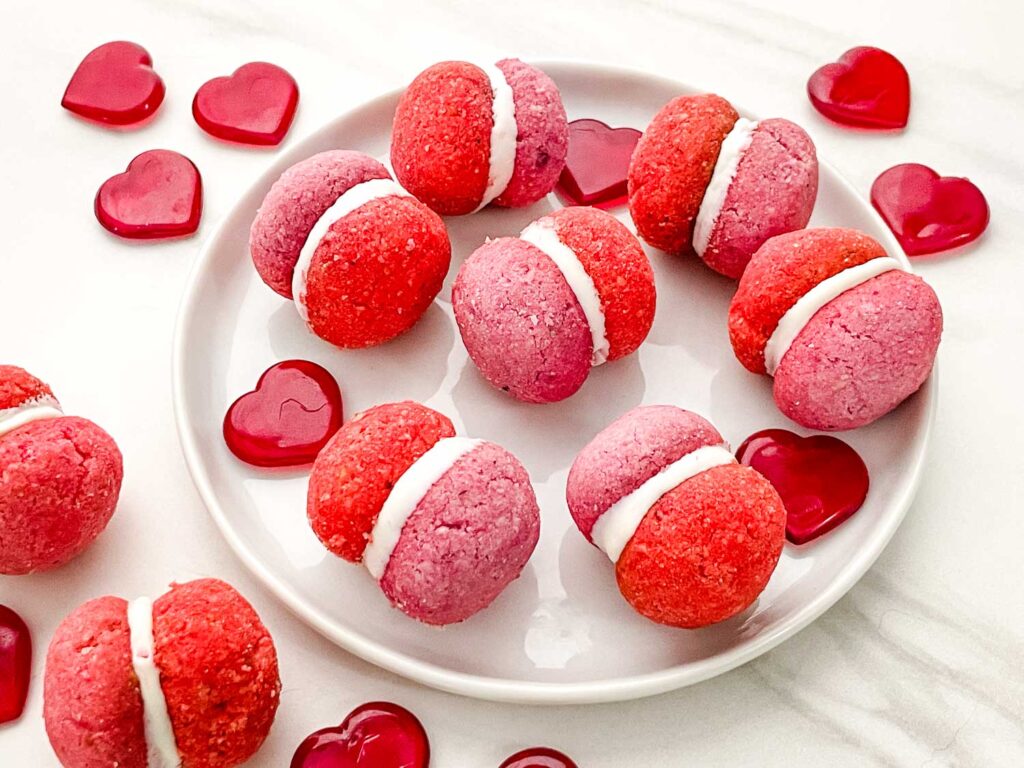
(375, 735)
(294, 410)
(15, 664)
(927, 212)
(821, 479)
(254, 105)
(867, 87)
(596, 164)
(115, 84)
(160, 195)
(538, 757)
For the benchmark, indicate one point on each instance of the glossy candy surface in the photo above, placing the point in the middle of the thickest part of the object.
(253, 105)
(115, 84)
(375, 735)
(927, 212)
(538, 757)
(160, 195)
(866, 88)
(821, 479)
(294, 410)
(15, 664)
(597, 162)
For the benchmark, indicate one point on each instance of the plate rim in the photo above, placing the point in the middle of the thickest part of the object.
(504, 689)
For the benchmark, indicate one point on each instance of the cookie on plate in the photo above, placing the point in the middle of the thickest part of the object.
(694, 535)
(537, 312)
(466, 136)
(443, 523)
(847, 333)
(705, 180)
(361, 258)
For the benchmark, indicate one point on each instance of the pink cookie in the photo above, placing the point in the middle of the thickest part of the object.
(361, 258)
(465, 136)
(60, 477)
(537, 312)
(444, 523)
(847, 333)
(694, 536)
(704, 180)
(189, 679)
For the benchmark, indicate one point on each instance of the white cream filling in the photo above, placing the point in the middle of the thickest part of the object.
(614, 529)
(542, 234)
(44, 407)
(797, 316)
(161, 749)
(733, 147)
(406, 494)
(504, 133)
(352, 198)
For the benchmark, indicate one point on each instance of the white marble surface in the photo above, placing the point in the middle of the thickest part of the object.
(920, 665)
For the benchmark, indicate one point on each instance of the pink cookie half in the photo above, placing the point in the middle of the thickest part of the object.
(521, 323)
(294, 204)
(773, 192)
(466, 541)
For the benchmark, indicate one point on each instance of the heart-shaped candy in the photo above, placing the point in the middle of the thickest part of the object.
(115, 84)
(821, 479)
(294, 410)
(596, 163)
(15, 664)
(538, 757)
(375, 735)
(928, 212)
(254, 105)
(160, 195)
(867, 87)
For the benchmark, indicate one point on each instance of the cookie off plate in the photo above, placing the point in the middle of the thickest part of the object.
(557, 634)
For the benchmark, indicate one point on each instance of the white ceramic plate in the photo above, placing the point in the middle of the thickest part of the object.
(561, 633)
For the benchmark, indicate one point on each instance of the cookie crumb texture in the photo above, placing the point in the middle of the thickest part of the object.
(92, 707)
(59, 484)
(376, 271)
(620, 270)
(773, 192)
(467, 539)
(862, 354)
(355, 472)
(781, 271)
(705, 550)
(294, 204)
(441, 140)
(218, 670)
(671, 168)
(521, 323)
(18, 386)
(629, 452)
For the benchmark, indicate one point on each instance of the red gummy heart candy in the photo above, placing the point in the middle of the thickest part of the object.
(254, 105)
(160, 195)
(375, 735)
(15, 664)
(821, 479)
(867, 88)
(115, 84)
(538, 757)
(928, 212)
(294, 410)
(596, 163)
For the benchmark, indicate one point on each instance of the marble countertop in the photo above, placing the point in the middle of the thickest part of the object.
(919, 665)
